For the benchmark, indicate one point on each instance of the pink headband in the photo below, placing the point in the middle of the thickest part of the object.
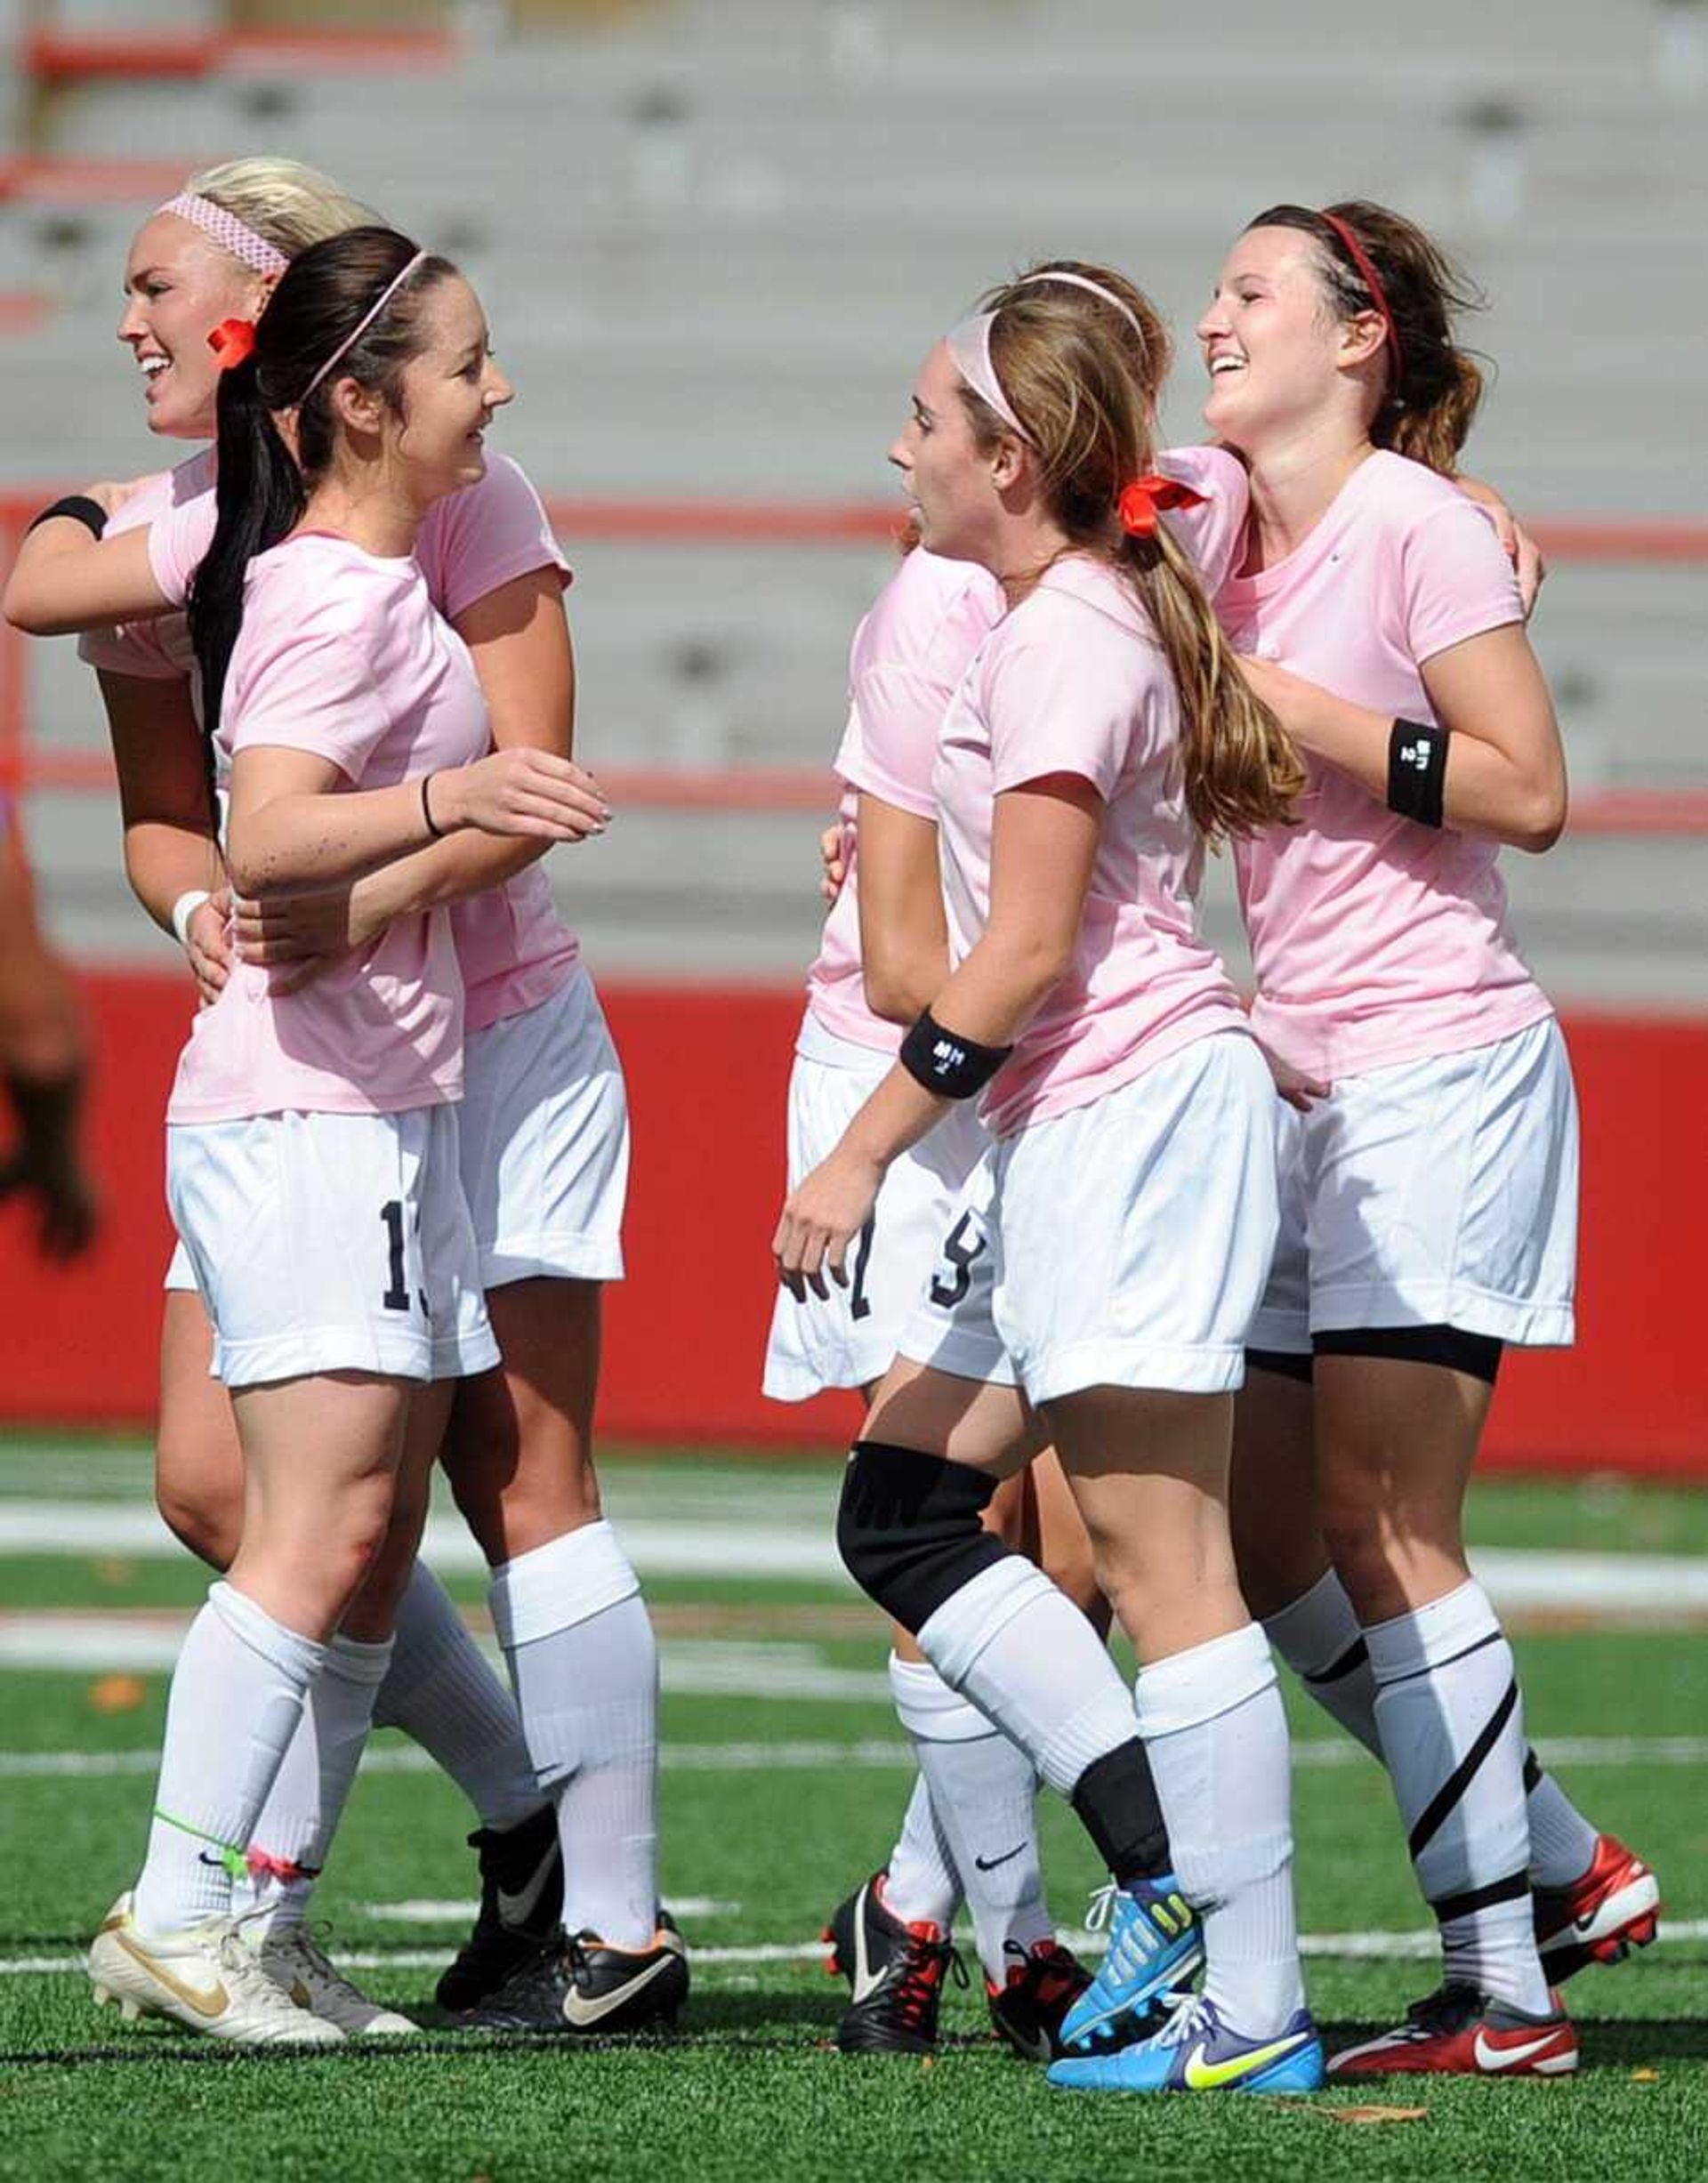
(969, 347)
(362, 324)
(230, 232)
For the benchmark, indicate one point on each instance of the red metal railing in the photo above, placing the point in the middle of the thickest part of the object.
(26, 764)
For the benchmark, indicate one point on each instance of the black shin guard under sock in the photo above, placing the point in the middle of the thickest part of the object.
(1116, 1798)
(909, 1529)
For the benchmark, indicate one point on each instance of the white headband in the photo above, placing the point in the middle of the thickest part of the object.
(969, 347)
(231, 233)
(362, 324)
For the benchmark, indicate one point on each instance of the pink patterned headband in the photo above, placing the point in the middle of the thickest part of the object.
(231, 233)
(363, 323)
(968, 346)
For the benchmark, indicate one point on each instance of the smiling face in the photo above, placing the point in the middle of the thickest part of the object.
(952, 482)
(449, 391)
(1277, 353)
(179, 285)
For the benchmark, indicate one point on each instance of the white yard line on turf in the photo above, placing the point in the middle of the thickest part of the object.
(731, 1543)
(1345, 1946)
(796, 1757)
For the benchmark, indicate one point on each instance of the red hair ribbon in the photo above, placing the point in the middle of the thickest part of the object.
(1144, 500)
(1372, 279)
(232, 341)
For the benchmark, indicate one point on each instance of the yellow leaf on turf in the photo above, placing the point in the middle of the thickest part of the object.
(1644, 2076)
(118, 1694)
(1368, 2114)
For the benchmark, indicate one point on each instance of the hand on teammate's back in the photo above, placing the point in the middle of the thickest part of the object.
(206, 948)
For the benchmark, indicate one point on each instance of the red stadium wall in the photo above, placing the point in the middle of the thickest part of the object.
(706, 1071)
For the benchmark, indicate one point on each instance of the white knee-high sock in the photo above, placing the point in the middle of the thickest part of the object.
(294, 1828)
(576, 1630)
(1213, 1725)
(1019, 1648)
(1452, 1731)
(441, 1691)
(984, 1792)
(1318, 1637)
(236, 1698)
(921, 1886)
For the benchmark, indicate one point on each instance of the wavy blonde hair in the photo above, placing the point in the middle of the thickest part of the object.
(1085, 383)
(288, 204)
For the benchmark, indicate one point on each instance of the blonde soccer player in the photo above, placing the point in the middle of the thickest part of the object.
(1129, 1204)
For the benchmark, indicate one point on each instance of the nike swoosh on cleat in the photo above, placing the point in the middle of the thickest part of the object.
(582, 2013)
(1494, 2059)
(866, 1981)
(989, 1864)
(1203, 2076)
(518, 1908)
(212, 2003)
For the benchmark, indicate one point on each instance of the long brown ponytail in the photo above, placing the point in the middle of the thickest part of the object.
(1084, 383)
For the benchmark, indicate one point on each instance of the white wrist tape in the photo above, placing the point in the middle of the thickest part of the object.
(184, 908)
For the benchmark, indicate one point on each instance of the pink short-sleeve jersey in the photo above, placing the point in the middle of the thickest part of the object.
(908, 657)
(343, 655)
(1074, 681)
(908, 654)
(1377, 941)
(515, 950)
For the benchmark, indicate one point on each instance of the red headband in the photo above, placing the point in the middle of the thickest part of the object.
(1372, 280)
(1144, 499)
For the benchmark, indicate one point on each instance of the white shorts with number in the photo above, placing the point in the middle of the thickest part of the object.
(1126, 1241)
(331, 1243)
(850, 1339)
(544, 1130)
(1437, 1193)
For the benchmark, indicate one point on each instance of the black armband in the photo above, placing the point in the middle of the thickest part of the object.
(80, 507)
(1417, 770)
(952, 1066)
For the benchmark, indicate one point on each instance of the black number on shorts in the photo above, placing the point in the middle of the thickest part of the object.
(396, 1295)
(960, 1254)
(859, 1303)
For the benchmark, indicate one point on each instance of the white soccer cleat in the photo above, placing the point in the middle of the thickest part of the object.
(307, 1975)
(208, 1979)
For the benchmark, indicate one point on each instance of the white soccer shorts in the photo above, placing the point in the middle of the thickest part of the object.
(331, 1243)
(1125, 1243)
(544, 1130)
(851, 1339)
(1435, 1193)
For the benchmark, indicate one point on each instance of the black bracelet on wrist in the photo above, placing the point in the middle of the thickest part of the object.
(80, 507)
(944, 1063)
(436, 831)
(1417, 770)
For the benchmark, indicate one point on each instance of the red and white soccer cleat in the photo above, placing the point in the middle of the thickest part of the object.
(1614, 1907)
(1459, 2032)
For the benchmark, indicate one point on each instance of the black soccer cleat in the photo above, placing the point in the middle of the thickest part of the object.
(521, 1905)
(897, 1973)
(578, 1988)
(1027, 2009)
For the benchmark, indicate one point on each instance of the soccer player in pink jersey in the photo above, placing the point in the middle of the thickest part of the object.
(1127, 1212)
(311, 1144)
(1430, 1193)
(545, 1151)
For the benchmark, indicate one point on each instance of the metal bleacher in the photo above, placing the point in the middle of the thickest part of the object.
(715, 236)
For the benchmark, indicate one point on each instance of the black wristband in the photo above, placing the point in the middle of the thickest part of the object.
(1417, 770)
(80, 507)
(436, 831)
(952, 1066)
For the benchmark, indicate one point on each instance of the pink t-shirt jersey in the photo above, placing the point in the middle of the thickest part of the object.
(1074, 681)
(341, 654)
(908, 657)
(515, 950)
(1377, 941)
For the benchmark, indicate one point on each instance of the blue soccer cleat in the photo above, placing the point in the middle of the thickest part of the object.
(1156, 1946)
(1197, 2052)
